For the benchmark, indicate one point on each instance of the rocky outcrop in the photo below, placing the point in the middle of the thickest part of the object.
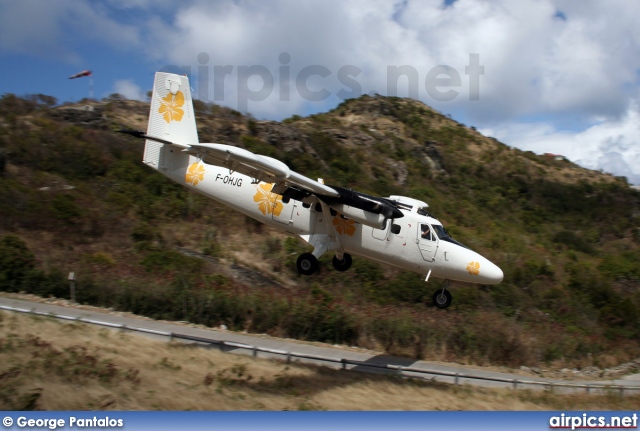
(89, 115)
(286, 136)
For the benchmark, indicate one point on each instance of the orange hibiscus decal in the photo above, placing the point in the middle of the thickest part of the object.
(473, 268)
(194, 174)
(171, 107)
(344, 226)
(268, 202)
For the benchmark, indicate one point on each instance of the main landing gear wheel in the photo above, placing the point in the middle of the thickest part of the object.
(442, 298)
(344, 264)
(307, 264)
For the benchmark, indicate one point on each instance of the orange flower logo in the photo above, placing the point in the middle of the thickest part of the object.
(171, 107)
(268, 202)
(473, 268)
(194, 174)
(344, 226)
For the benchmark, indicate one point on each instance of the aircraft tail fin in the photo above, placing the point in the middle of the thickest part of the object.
(171, 119)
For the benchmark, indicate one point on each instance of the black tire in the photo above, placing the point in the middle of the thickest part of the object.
(344, 264)
(442, 299)
(307, 264)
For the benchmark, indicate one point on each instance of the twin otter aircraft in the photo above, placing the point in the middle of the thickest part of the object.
(396, 230)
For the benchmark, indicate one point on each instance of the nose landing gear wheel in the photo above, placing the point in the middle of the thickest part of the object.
(442, 298)
(344, 264)
(307, 264)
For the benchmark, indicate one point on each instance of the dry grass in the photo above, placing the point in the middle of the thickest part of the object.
(57, 365)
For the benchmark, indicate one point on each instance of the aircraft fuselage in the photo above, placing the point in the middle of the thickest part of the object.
(399, 243)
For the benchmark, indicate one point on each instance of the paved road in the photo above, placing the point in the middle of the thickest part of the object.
(293, 346)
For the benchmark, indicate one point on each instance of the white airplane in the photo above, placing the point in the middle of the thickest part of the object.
(395, 230)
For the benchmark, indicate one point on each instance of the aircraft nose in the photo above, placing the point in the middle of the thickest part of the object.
(491, 273)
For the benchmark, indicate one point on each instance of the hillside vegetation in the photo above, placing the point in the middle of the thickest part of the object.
(74, 196)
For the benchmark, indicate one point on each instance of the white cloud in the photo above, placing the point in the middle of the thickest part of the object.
(533, 61)
(129, 89)
(612, 146)
(549, 60)
(54, 29)
(245, 34)
(27, 27)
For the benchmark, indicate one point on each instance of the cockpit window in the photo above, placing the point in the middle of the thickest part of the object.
(423, 211)
(441, 232)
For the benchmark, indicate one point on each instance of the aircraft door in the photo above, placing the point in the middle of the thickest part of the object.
(427, 242)
(285, 215)
(381, 234)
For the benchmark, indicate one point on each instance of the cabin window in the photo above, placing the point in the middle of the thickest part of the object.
(395, 229)
(426, 232)
(318, 207)
(333, 212)
(423, 211)
(306, 205)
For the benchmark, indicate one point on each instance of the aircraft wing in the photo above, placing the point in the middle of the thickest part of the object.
(369, 210)
(260, 167)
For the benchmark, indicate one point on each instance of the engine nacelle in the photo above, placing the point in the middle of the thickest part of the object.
(377, 221)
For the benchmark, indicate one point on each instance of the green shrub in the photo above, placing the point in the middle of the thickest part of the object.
(169, 260)
(65, 209)
(571, 240)
(17, 263)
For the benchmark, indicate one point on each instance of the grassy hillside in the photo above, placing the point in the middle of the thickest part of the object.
(47, 364)
(74, 196)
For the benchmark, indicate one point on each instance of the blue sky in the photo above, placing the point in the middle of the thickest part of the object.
(556, 76)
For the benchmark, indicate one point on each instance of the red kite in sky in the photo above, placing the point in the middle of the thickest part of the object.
(81, 74)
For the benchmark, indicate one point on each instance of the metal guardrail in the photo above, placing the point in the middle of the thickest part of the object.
(345, 363)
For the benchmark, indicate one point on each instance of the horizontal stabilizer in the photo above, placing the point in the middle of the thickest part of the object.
(140, 134)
